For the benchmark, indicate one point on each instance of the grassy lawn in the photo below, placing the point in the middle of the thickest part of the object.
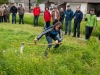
(73, 57)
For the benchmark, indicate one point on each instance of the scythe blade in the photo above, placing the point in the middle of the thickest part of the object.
(21, 48)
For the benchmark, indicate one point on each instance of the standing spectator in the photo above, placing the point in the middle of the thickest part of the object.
(3, 19)
(78, 16)
(21, 13)
(4, 7)
(0, 14)
(62, 15)
(7, 14)
(55, 15)
(13, 10)
(36, 12)
(47, 17)
(91, 22)
(68, 19)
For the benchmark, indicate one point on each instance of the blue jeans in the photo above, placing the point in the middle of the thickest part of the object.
(21, 20)
(14, 18)
(68, 27)
(49, 40)
(36, 20)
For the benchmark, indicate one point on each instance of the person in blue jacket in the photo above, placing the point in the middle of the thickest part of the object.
(78, 16)
(51, 33)
(68, 19)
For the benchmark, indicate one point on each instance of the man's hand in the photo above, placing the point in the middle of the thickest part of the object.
(74, 17)
(56, 42)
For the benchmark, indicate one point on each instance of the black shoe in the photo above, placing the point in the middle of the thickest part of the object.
(73, 36)
(78, 36)
(69, 34)
(65, 33)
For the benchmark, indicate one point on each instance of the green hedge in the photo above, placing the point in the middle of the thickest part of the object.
(3, 1)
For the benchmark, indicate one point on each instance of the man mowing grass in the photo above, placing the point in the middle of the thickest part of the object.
(51, 33)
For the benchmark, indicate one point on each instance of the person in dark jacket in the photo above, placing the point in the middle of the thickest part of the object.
(47, 17)
(7, 14)
(51, 33)
(21, 14)
(78, 16)
(62, 15)
(13, 10)
(68, 19)
(36, 13)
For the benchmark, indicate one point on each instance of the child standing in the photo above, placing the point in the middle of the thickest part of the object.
(91, 22)
(47, 17)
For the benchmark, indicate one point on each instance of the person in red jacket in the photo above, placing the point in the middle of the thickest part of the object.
(36, 13)
(47, 17)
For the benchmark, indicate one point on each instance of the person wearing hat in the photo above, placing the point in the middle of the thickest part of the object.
(91, 23)
(68, 19)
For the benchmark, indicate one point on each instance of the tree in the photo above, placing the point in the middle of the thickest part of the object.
(39, 1)
(4, 2)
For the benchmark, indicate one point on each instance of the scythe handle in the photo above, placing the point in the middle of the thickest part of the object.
(41, 44)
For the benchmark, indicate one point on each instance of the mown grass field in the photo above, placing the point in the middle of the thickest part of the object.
(73, 57)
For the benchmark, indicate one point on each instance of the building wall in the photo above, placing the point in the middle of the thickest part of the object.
(84, 8)
(42, 7)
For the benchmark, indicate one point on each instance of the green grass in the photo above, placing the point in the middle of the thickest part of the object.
(73, 57)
